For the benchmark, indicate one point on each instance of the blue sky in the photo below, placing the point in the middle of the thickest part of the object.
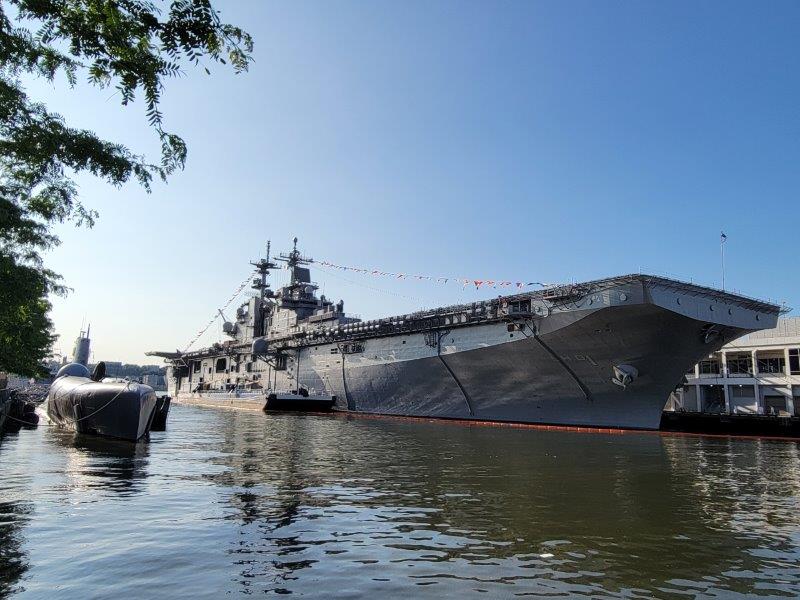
(515, 140)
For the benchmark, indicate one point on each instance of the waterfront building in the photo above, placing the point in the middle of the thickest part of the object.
(113, 368)
(755, 374)
(154, 380)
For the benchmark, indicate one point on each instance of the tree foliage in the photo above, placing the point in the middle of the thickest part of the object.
(130, 45)
(24, 324)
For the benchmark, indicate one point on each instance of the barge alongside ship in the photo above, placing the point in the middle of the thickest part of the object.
(604, 353)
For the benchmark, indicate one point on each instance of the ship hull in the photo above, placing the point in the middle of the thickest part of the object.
(559, 367)
(562, 378)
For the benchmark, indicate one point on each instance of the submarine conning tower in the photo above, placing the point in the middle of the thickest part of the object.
(80, 353)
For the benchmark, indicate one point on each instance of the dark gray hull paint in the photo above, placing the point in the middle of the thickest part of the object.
(551, 365)
(563, 378)
(117, 410)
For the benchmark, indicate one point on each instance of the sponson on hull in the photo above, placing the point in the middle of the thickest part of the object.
(604, 353)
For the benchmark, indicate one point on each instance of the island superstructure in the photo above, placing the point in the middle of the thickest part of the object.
(604, 353)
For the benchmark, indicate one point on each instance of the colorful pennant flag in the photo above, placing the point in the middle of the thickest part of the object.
(478, 283)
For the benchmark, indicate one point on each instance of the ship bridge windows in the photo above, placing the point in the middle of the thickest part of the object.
(519, 306)
(222, 364)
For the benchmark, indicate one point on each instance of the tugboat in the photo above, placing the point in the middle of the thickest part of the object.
(302, 401)
(604, 353)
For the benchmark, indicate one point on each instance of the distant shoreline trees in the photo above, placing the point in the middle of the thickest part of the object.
(131, 45)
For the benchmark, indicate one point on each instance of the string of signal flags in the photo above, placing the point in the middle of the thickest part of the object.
(463, 281)
(240, 288)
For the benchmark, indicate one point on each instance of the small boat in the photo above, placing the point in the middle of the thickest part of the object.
(91, 405)
(301, 402)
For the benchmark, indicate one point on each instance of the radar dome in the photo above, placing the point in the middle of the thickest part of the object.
(259, 346)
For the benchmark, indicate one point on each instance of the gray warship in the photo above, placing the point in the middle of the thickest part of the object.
(604, 353)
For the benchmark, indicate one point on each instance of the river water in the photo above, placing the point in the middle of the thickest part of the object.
(235, 502)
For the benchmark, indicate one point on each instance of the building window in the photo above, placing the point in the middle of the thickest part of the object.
(709, 367)
(280, 362)
(196, 366)
(794, 361)
(742, 391)
(773, 365)
(740, 364)
(222, 364)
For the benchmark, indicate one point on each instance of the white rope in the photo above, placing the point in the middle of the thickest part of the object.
(18, 420)
(127, 385)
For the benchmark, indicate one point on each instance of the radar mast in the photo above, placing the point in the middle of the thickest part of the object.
(263, 267)
(295, 261)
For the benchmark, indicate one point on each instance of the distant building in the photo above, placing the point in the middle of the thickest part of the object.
(113, 368)
(757, 374)
(154, 380)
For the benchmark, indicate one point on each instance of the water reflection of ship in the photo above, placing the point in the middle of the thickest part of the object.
(14, 560)
(507, 496)
(267, 470)
(103, 463)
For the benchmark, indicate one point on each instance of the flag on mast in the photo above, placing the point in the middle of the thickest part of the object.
(722, 239)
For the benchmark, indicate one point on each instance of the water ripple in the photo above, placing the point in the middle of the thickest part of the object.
(228, 502)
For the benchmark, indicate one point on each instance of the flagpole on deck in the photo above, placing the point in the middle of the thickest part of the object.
(722, 239)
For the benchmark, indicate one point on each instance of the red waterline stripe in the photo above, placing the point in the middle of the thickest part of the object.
(512, 425)
(542, 427)
(483, 423)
